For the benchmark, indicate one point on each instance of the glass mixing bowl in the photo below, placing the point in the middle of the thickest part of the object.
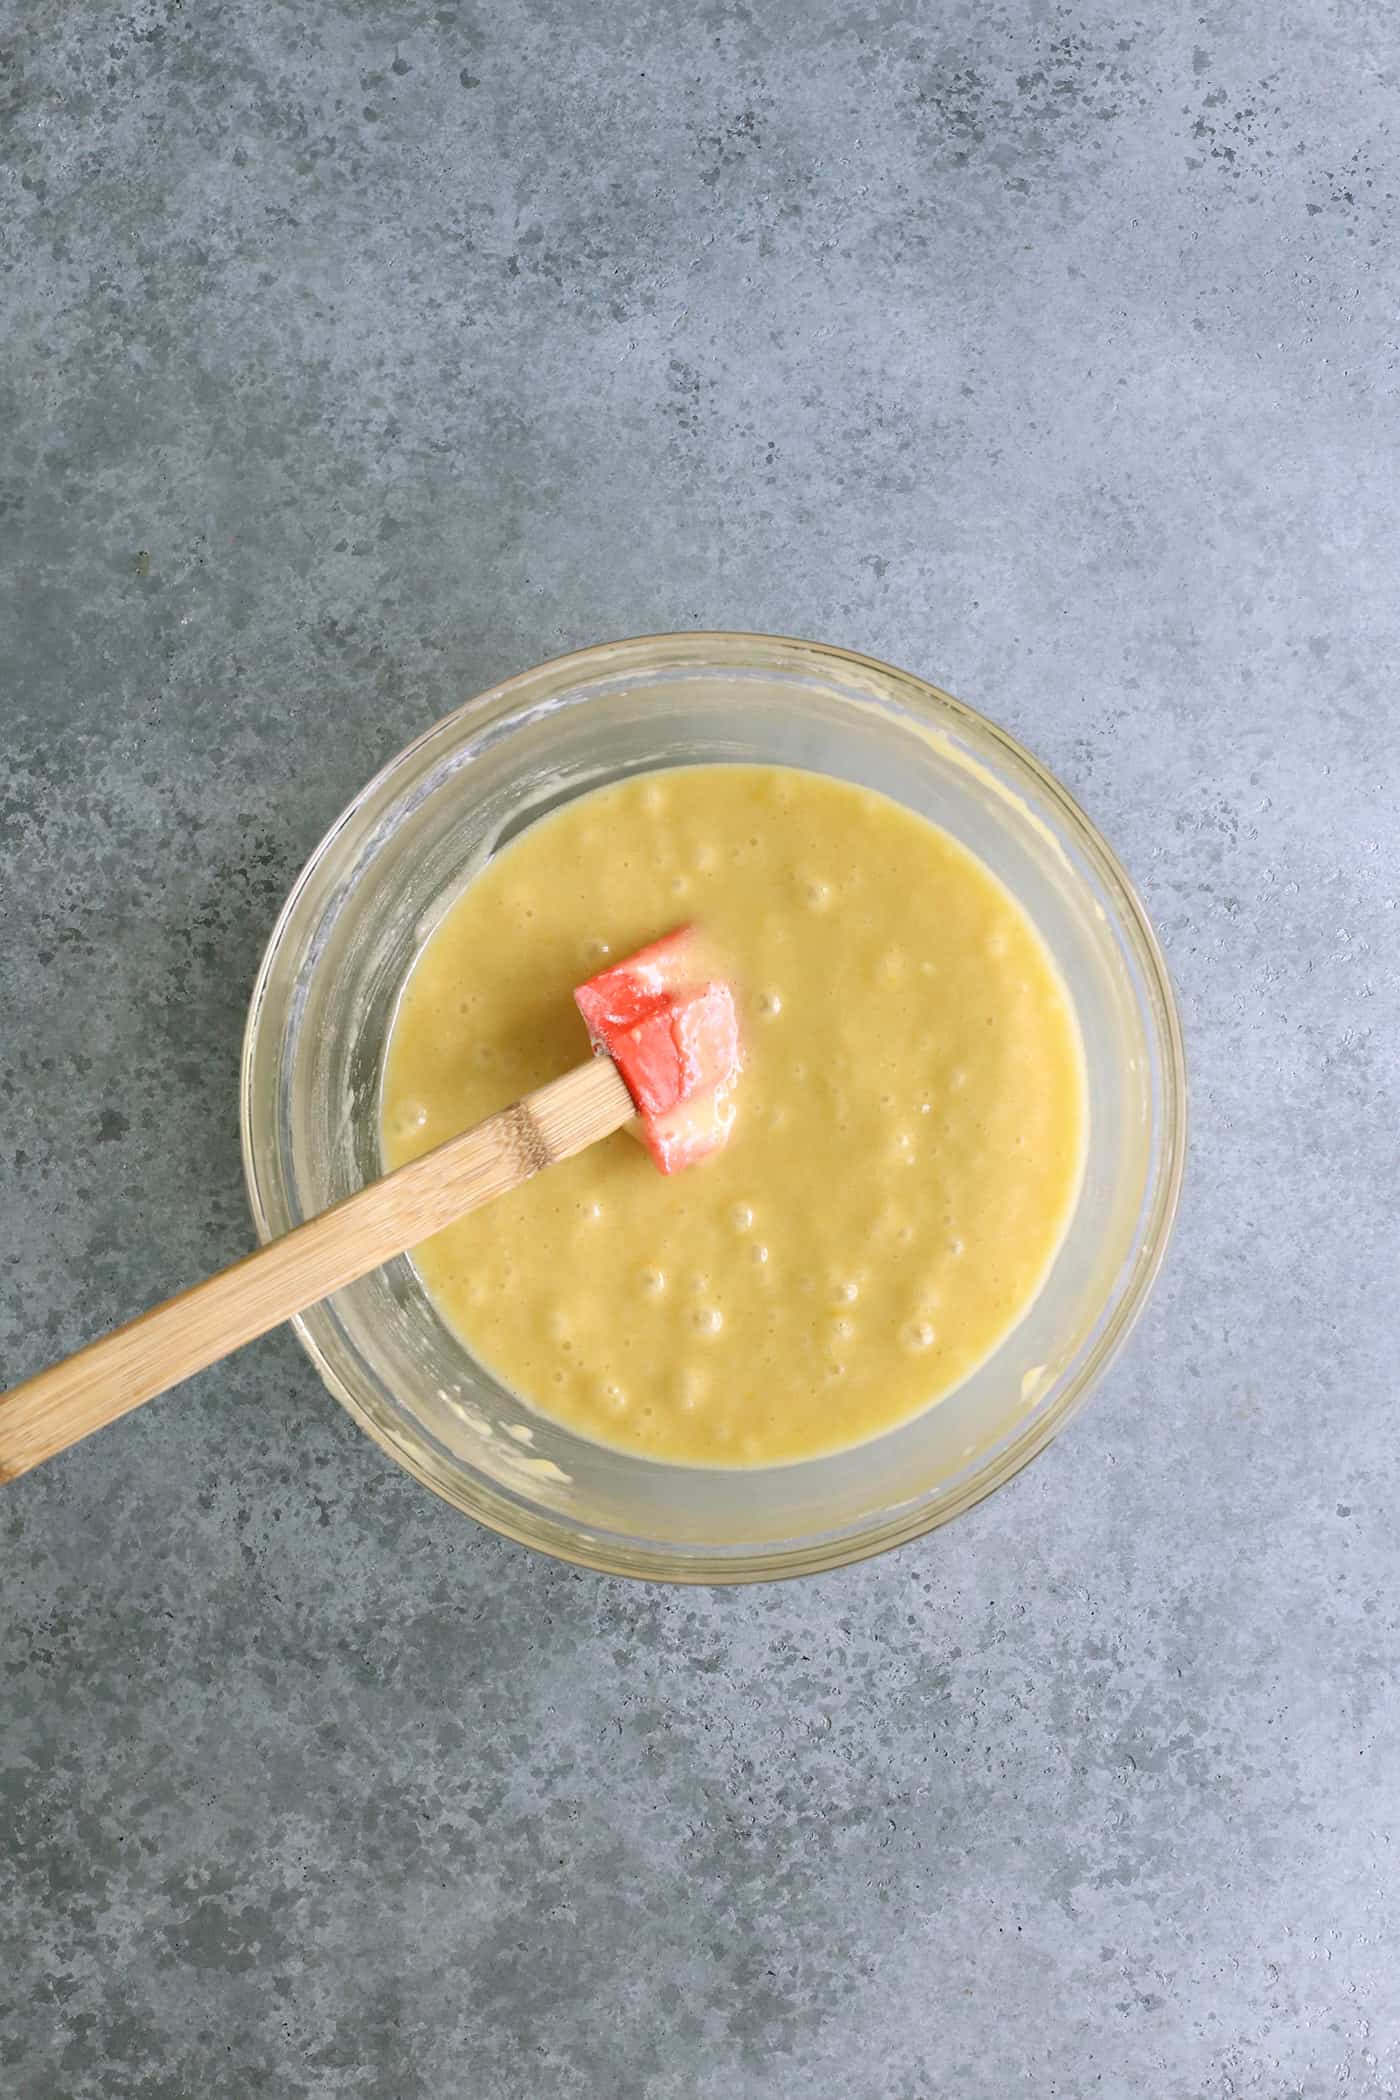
(372, 892)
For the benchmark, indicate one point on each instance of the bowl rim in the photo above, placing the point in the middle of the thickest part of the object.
(706, 1565)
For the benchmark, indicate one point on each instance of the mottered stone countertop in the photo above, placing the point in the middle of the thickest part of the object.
(355, 357)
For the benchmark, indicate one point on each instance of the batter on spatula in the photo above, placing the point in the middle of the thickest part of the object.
(902, 1149)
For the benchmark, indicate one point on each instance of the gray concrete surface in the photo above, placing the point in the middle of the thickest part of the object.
(354, 356)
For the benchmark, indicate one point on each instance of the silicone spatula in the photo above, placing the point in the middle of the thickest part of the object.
(668, 1040)
(673, 1033)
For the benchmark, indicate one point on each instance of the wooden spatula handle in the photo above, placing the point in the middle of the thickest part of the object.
(150, 1354)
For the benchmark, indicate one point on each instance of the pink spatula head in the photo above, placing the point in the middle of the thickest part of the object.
(672, 1030)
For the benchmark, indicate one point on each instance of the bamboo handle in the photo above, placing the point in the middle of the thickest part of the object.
(150, 1354)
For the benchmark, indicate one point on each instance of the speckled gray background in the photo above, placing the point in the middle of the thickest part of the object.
(354, 356)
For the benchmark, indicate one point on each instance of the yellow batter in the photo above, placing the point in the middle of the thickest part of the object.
(909, 1134)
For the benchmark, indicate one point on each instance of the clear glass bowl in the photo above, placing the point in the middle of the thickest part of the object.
(370, 895)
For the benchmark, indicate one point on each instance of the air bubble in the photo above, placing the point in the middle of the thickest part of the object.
(692, 1390)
